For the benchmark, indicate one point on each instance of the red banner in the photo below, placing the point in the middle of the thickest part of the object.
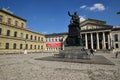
(53, 44)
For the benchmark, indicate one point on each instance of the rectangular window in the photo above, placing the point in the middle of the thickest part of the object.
(35, 37)
(22, 25)
(35, 47)
(116, 45)
(38, 46)
(1, 18)
(26, 36)
(14, 46)
(0, 31)
(31, 37)
(26, 47)
(21, 35)
(8, 32)
(30, 46)
(9, 20)
(16, 23)
(116, 37)
(21, 46)
(38, 38)
(15, 34)
(7, 46)
(41, 47)
(41, 39)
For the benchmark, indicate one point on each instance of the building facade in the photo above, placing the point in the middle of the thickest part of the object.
(55, 42)
(96, 34)
(15, 37)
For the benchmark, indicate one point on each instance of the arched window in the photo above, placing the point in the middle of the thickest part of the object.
(14, 46)
(8, 32)
(35, 47)
(26, 36)
(21, 46)
(31, 46)
(116, 37)
(7, 46)
(15, 34)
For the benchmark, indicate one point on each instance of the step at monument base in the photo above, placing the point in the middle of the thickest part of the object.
(73, 52)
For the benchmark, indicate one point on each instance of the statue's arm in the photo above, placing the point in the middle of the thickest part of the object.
(69, 13)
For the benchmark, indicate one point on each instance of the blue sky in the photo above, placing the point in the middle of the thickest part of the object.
(50, 16)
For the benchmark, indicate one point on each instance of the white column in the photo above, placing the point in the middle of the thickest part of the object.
(104, 46)
(86, 41)
(109, 41)
(98, 47)
(92, 40)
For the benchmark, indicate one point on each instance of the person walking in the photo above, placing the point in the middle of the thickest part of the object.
(91, 51)
(116, 54)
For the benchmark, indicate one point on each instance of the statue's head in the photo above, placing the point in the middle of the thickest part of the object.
(75, 13)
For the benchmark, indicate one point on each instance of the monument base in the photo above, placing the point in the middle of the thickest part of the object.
(73, 52)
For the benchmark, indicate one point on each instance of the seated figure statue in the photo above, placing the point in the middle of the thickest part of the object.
(74, 18)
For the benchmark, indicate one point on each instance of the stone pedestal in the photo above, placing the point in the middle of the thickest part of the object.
(74, 38)
(73, 52)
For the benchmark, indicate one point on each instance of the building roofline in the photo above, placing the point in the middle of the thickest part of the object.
(89, 20)
(93, 20)
(116, 29)
(56, 34)
(108, 28)
(12, 14)
(98, 25)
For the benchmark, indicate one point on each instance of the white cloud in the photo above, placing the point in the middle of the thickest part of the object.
(44, 32)
(84, 6)
(96, 6)
(82, 18)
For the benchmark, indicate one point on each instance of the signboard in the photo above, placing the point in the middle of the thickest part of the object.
(53, 44)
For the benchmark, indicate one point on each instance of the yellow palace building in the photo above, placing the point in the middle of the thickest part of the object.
(15, 37)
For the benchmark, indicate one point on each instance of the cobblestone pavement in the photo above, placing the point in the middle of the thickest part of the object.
(25, 67)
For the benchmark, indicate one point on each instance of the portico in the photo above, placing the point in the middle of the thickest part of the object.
(96, 39)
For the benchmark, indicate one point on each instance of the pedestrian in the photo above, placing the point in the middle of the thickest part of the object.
(91, 51)
(116, 54)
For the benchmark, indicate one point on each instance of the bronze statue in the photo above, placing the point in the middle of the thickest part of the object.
(74, 38)
(75, 18)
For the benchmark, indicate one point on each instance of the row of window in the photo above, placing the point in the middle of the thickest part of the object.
(7, 46)
(8, 33)
(9, 21)
(53, 49)
(54, 39)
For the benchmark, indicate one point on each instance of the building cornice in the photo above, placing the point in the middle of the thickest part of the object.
(12, 15)
(56, 34)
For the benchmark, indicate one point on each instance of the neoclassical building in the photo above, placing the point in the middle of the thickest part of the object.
(96, 34)
(15, 37)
